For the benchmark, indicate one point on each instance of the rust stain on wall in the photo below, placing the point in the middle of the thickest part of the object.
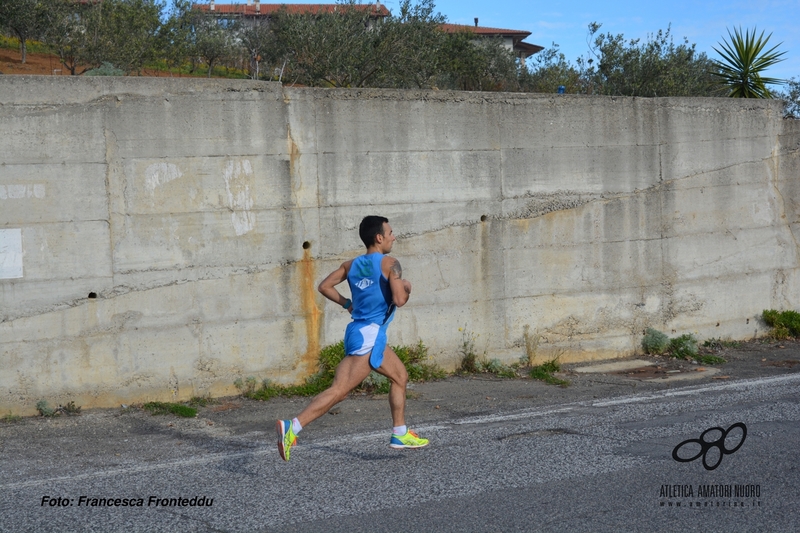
(311, 313)
(294, 152)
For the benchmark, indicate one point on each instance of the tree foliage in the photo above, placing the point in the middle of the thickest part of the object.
(414, 43)
(212, 41)
(791, 98)
(122, 33)
(176, 34)
(656, 67)
(64, 31)
(23, 18)
(349, 48)
(340, 49)
(743, 62)
(549, 70)
(477, 65)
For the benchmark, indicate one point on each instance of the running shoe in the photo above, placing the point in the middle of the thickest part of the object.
(409, 440)
(286, 438)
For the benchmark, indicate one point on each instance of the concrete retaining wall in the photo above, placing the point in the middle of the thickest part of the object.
(161, 238)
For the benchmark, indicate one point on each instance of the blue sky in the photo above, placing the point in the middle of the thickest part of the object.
(703, 23)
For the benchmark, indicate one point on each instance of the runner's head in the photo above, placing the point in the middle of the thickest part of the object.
(371, 227)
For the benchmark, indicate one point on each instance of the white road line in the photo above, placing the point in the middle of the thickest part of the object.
(528, 413)
(734, 385)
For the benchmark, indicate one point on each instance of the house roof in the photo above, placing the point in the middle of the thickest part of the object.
(378, 10)
(528, 48)
(525, 49)
(483, 30)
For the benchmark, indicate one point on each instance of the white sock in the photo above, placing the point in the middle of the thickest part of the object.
(296, 426)
(400, 430)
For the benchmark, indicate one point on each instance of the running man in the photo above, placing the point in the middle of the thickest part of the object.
(378, 288)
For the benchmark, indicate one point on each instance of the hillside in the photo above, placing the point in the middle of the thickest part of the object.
(48, 65)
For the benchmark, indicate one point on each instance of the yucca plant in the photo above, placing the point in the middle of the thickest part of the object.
(743, 62)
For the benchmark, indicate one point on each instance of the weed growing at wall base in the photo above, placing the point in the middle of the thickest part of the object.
(683, 347)
(414, 358)
(472, 363)
(545, 371)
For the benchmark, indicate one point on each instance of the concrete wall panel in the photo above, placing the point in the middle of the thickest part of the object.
(60, 192)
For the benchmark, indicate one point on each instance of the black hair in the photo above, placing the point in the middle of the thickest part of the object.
(370, 227)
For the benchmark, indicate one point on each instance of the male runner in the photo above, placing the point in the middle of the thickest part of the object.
(378, 288)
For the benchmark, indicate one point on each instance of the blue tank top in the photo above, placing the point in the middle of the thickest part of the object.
(371, 294)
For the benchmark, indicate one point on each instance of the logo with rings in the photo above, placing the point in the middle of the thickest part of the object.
(716, 449)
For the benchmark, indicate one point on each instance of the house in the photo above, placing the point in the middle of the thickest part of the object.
(255, 12)
(512, 39)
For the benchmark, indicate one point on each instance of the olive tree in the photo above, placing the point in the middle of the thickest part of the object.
(23, 18)
(655, 67)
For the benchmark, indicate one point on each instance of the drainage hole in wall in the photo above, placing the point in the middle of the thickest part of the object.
(483, 218)
(92, 295)
(306, 245)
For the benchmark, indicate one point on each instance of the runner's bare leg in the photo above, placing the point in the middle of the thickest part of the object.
(351, 371)
(394, 369)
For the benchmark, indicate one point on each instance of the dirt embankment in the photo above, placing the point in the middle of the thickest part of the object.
(49, 65)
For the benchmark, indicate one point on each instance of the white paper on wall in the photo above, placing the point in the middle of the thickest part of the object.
(10, 253)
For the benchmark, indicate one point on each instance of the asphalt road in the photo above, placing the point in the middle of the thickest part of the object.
(505, 456)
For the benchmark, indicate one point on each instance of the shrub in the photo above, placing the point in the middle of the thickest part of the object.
(655, 342)
(415, 360)
(784, 324)
(44, 409)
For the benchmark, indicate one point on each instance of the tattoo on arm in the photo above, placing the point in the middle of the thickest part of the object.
(396, 269)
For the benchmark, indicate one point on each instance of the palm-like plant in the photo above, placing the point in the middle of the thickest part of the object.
(743, 63)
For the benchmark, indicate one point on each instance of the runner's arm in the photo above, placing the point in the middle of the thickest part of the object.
(401, 288)
(328, 285)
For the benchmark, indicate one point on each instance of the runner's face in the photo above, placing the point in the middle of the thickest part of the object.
(388, 238)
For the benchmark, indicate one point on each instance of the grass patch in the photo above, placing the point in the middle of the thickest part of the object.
(164, 408)
(200, 401)
(10, 419)
(710, 360)
(545, 371)
(414, 358)
(34, 47)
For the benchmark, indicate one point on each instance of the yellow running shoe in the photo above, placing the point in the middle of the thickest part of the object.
(409, 440)
(286, 438)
